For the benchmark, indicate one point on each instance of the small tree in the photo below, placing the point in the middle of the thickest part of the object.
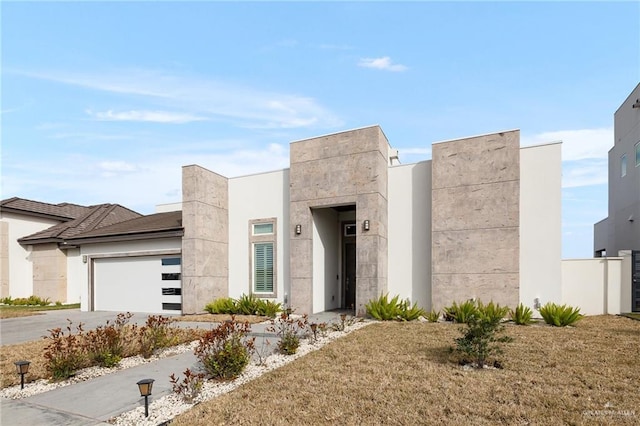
(481, 338)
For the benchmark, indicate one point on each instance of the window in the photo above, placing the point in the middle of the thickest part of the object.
(262, 228)
(171, 261)
(638, 154)
(262, 256)
(171, 277)
(263, 267)
(171, 291)
(623, 165)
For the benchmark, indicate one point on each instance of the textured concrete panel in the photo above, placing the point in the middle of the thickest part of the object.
(479, 251)
(205, 248)
(490, 205)
(302, 294)
(449, 288)
(475, 218)
(472, 161)
(341, 169)
(49, 272)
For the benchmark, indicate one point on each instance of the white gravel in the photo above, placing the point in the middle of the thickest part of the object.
(168, 407)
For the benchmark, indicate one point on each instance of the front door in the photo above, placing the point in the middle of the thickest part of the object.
(349, 266)
(635, 281)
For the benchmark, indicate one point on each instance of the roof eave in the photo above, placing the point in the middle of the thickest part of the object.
(170, 233)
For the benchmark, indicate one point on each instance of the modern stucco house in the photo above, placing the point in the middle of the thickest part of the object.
(344, 224)
(619, 233)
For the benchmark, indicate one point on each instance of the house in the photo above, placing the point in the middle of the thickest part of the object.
(344, 224)
(35, 257)
(618, 235)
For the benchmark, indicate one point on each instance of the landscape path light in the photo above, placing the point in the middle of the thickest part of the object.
(23, 368)
(145, 386)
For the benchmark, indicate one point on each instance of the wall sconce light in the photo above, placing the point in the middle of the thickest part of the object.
(145, 386)
(84, 258)
(365, 225)
(23, 368)
(298, 229)
(536, 303)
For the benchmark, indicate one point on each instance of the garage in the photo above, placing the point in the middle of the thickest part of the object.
(150, 284)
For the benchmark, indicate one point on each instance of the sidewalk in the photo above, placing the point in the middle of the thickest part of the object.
(95, 401)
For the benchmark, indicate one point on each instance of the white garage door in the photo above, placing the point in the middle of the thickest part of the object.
(138, 284)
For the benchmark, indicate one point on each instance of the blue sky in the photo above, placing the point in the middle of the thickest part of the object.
(104, 102)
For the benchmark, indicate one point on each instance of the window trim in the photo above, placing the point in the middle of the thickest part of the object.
(623, 165)
(637, 152)
(263, 238)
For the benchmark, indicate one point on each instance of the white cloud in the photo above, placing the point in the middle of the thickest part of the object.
(383, 63)
(577, 144)
(209, 99)
(148, 116)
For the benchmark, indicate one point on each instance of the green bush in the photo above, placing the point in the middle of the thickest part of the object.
(155, 334)
(433, 316)
(460, 313)
(493, 312)
(26, 301)
(522, 315)
(384, 309)
(407, 312)
(560, 315)
(225, 351)
(268, 308)
(105, 344)
(225, 305)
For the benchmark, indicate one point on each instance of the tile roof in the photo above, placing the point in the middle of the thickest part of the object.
(153, 223)
(60, 211)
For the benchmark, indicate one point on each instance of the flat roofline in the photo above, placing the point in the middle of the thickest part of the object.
(475, 136)
(344, 131)
(260, 173)
(542, 144)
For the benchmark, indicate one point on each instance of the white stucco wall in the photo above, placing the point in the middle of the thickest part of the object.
(593, 285)
(20, 265)
(326, 249)
(253, 197)
(409, 232)
(119, 249)
(540, 224)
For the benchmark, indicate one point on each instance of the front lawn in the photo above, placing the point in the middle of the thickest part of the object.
(404, 373)
(14, 311)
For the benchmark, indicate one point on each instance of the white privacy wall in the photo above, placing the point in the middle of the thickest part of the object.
(326, 249)
(259, 196)
(409, 232)
(540, 224)
(593, 285)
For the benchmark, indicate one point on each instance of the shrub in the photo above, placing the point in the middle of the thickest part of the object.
(384, 309)
(560, 316)
(289, 330)
(65, 352)
(481, 337)
(460, 313)
(492, 311)
(26, 301)
(190, 387)
(433, 316)
(247, 305)
(268, 308)
(225, 305)
(406, 312)
(225, 350)
(105, 344)
(155, 334)
(522, 315)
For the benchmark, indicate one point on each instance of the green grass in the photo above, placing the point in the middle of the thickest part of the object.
(635, 316)
(11, 311)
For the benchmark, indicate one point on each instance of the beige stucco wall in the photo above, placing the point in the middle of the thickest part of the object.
(410, 232)
(475, 219)
(540, 223)
(340, 169)
(205, 244)
(49, 272)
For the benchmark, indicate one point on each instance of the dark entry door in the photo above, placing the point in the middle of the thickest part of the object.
(349, 274)
(635, 281)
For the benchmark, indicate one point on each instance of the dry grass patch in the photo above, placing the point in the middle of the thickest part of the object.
(16, 311)
(404, 373)
(251, 319)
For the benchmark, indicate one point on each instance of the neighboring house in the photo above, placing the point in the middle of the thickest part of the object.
(619, 234)
(35, 257)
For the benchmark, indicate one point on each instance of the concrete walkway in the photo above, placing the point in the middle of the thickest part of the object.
(95, 401)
